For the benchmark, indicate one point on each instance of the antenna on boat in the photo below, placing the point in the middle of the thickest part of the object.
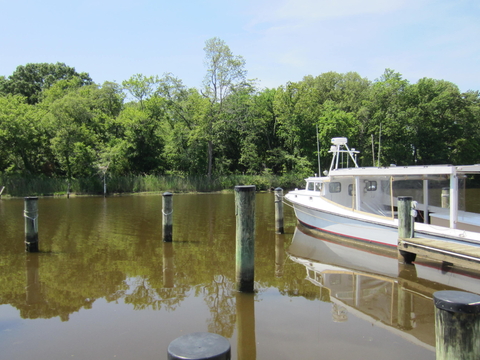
(337, 150)
(318, 152)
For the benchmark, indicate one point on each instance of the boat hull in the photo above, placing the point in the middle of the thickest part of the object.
(347, 227)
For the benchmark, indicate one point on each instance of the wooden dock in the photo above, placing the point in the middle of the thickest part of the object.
(457, 254)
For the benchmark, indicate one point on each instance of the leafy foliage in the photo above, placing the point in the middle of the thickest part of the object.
(56, 123)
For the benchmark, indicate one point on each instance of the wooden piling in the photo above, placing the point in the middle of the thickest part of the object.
(279, 211)
(245, 237)
(167, 211)
(405, 226)
(457, 325)
(30, 214)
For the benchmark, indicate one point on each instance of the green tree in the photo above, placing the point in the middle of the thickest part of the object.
(140, 86)
(184, 113)
(22, 140)
(385, 123)
(225, 72)
(441, 122)
(31, 79)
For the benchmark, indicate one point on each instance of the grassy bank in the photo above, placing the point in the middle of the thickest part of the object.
(44, 186)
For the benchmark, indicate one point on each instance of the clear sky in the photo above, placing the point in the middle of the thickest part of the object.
(281, 40)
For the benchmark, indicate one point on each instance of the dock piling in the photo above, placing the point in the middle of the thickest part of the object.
(279, 211)
(167, 211)
(245, 237)
(405, 226)
(457, 325)
(30, 214)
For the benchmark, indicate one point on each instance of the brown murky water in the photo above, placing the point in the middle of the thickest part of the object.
(105, 286)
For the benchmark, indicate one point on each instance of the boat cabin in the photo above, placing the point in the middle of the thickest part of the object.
(438, 190)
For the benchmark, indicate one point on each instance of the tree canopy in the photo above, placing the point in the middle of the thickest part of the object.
(57, 122)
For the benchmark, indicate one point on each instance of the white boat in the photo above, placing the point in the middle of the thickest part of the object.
(359, 203)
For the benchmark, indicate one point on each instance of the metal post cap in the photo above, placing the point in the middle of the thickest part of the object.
(457, 301)
(199, 346)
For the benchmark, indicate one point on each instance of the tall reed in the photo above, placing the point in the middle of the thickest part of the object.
(44, 186)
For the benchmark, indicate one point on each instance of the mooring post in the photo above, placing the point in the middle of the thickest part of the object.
(199, 346)
(30, 214)
(457, 325)
(167, 211)
(279, 210)
(245, 237)
(405, 226)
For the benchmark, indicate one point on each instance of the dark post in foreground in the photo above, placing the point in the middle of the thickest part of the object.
(457, 325)
(279, 211)
(199, 346)
(405, 226)
(30, 214)
(245, 237)
(167, 211)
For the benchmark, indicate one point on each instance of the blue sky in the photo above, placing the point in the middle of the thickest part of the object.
(281, 40)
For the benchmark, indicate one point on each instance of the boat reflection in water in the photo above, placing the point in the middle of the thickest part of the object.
(370, 284)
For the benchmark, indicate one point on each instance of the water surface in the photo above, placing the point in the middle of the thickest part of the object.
(105, 286)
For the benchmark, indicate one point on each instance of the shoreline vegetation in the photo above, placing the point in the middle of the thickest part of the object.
(60, 132)
(21, 186)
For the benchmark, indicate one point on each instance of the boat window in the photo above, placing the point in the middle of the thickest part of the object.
(351, 190)
(310, 186)
(318, 186)
(334, 187)
(370, 185)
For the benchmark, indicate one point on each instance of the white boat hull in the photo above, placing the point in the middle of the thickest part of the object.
(340, 225)
(319, 214)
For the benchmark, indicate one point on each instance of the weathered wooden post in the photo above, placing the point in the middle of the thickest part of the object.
(457, 325)
(199, 346)
(279, 211)
(30, 214)
(445, 197)
(245, 237)
(405, 226)
(167, 211)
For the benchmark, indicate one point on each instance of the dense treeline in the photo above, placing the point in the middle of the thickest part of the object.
(58, 123)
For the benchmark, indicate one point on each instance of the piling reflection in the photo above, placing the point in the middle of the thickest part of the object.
(246, 341)
(373, 286)
(279, 254)
(168, 265)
